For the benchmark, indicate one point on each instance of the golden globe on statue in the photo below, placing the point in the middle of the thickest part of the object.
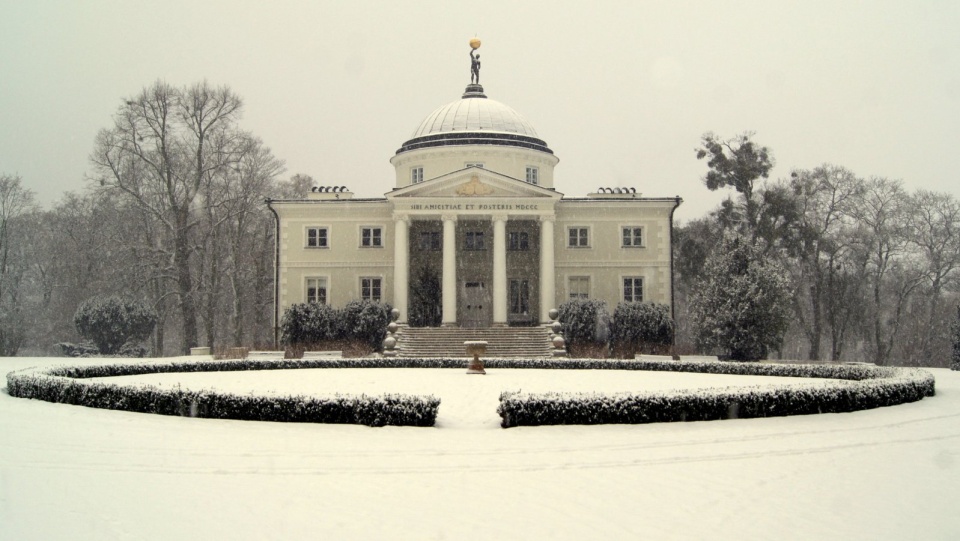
(475, 43)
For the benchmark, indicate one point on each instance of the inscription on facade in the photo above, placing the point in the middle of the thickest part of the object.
(476, 206)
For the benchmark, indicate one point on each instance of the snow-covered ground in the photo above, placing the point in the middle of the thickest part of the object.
(69, 472)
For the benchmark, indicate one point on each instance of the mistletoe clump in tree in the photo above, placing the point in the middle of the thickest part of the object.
(112, 322)
(741, 308)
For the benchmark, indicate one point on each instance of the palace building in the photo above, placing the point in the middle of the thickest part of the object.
(474, 234)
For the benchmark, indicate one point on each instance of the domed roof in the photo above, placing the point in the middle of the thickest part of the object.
(475, 114)
(475, 119)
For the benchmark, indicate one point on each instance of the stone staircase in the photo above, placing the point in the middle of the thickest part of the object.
(502, 342)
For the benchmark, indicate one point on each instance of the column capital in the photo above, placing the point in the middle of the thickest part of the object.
(449, 217)
(402, 218)
(548, 217)
(500, 217)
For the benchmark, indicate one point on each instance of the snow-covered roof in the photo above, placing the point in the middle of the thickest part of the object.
(475, 120)
(472, 114)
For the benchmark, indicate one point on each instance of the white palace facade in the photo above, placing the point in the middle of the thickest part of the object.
(474, 234)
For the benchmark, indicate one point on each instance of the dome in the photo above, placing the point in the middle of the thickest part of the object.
(475, 119)
(475, 114)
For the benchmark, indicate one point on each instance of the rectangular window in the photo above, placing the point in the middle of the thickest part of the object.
(474, 164)
(519, 297)
(430, 241)
(473, 241)
(579, 287)
(370, 289)
(371, 237)
(317, 290)
(316, 237)
(633, 289)
(578, 237)
(632, 237)
(533, 175)
(416, 175)
(519, 241)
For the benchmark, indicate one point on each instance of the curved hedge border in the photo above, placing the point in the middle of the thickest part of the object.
(861, 387)
(66, 385)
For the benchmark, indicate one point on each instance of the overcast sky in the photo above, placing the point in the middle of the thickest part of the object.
(621, 91)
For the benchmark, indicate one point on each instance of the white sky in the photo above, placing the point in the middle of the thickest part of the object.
(621, 91)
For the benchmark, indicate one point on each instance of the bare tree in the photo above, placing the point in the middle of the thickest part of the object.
(826, 196)
(892, 275)
(166, 151)
(934, 229)
(16, 202)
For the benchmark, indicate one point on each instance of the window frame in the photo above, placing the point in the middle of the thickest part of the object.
(632, 229)
(431, 246)
(378, 286)
(473, 241)
(325, 280)
(633, 288)
(518, 241)
(533, 172)
(579, 228)
(478, 165)
(584, 278)
(416, 174)
(372, 229)
(318, 228)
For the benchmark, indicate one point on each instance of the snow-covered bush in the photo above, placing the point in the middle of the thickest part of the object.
(67, 385)
(69, 349)
(111, 322)
(862, 387)
(955, 332)
(585, 322)
(641, 328)
(741, 308)
(366, 322)
(309, 323)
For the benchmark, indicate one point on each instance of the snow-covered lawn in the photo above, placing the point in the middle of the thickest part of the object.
(69, 472)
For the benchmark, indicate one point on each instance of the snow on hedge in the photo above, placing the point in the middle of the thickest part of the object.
(845, 388)
(67, 385)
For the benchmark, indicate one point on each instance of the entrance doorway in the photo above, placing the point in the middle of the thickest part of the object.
(476, 305)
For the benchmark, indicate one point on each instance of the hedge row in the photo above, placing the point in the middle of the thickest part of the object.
(829, 371)
(65, 385)
(861, 387)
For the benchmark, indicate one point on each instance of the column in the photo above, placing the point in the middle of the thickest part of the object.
(401, 264)
(548, 290)
(500, 269)
(449, 294)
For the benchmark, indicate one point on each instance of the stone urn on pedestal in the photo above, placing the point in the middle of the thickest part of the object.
(475, 348)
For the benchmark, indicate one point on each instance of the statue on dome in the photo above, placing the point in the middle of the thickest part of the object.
(474, 61)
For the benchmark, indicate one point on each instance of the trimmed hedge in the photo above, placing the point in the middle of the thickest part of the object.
(66, 385)
(861, 387)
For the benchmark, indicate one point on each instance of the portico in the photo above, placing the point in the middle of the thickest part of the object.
(472, 205)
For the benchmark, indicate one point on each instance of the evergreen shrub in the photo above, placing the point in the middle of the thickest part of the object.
(366, 322)
(309, 323)
(641, 328)
(585, 323)
(112, 322)
(741, 309)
